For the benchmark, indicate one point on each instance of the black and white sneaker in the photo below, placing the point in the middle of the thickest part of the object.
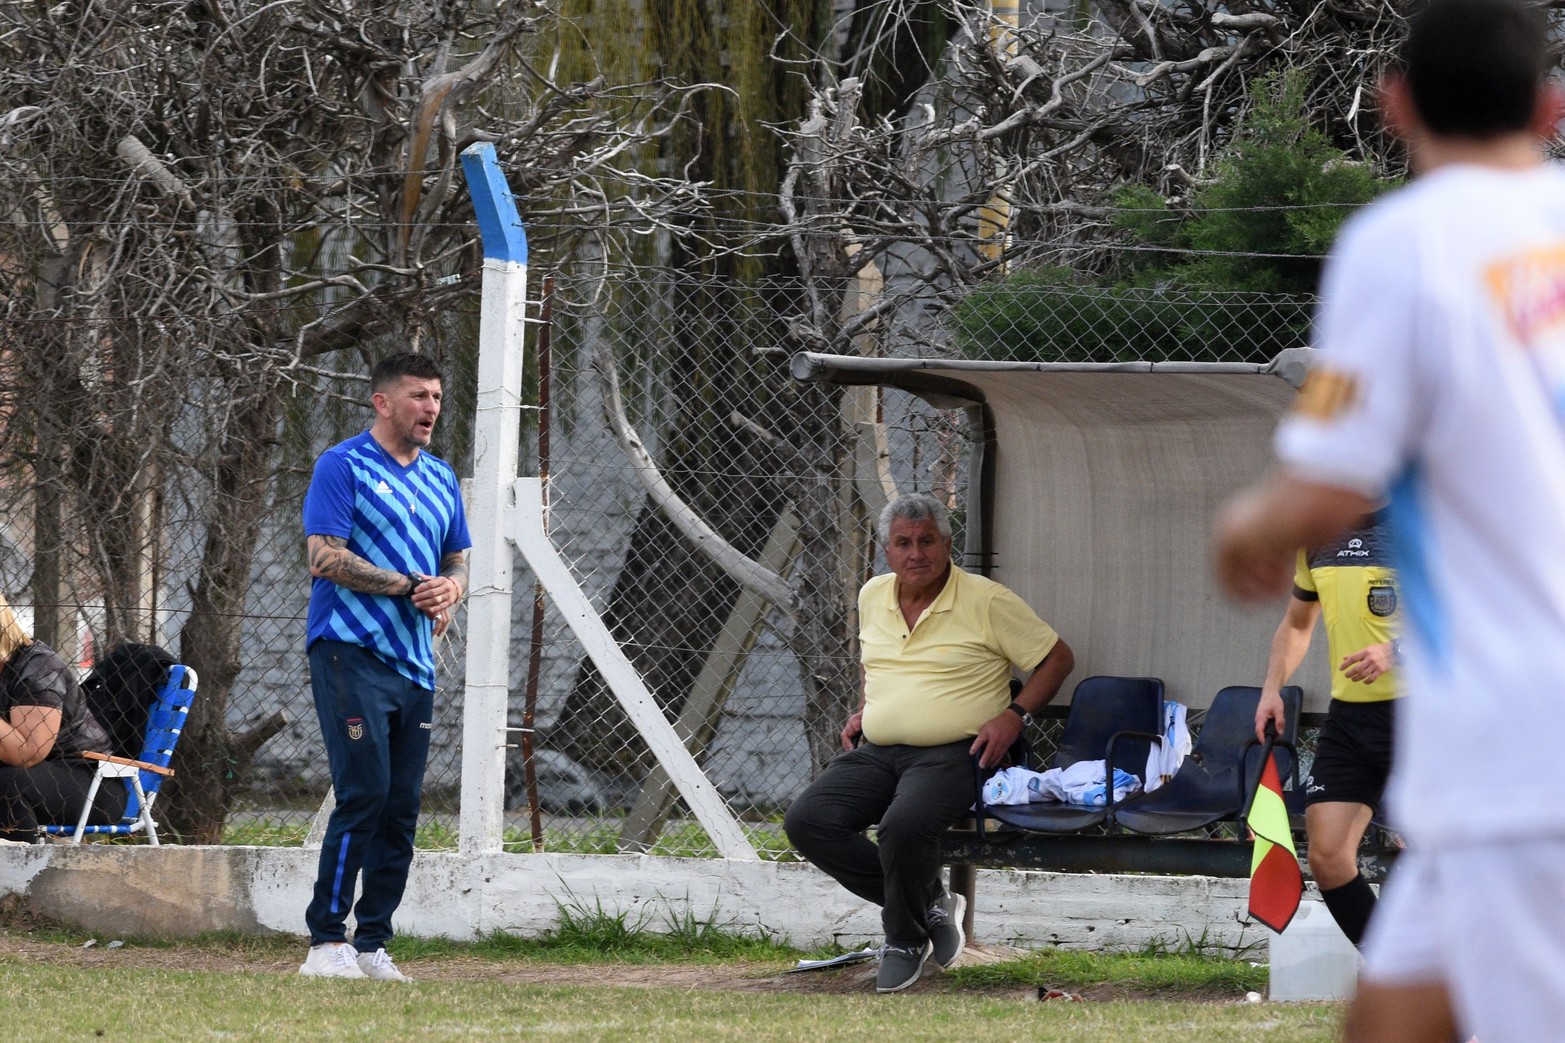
(945, 928)
(900, 967)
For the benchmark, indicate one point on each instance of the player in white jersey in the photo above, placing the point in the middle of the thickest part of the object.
(1441, 380)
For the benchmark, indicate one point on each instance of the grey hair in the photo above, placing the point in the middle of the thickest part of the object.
(915, 507)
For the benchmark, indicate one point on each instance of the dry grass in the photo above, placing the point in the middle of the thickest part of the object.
(240, 988)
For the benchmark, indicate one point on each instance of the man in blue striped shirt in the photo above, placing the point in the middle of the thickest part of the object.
(387, 542)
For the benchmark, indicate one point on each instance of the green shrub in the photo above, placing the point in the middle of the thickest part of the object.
(1229, 278)
(1048, 315)
(1280, 194)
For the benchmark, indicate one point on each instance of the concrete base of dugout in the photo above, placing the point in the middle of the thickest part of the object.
(173, 891)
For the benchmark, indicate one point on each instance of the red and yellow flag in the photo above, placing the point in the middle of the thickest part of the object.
(1276, 884)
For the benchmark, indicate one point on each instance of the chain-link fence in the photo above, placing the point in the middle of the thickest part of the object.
(702, 369)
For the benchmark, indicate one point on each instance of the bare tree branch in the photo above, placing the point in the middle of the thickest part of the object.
(294, 191)
(745, 571)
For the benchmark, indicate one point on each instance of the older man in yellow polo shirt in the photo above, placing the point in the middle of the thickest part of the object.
(937, 645)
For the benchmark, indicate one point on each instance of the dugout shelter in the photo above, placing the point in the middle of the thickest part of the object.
(1091, 489)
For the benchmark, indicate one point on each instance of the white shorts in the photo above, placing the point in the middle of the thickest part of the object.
(1487, 922)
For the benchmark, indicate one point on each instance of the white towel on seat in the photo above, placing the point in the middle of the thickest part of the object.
(1081, 784)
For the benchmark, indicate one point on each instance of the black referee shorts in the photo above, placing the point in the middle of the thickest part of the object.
(1352, 754)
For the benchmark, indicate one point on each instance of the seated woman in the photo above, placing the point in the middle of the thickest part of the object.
(45, 727)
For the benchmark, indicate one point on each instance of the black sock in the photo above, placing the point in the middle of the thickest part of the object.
(1350, 905)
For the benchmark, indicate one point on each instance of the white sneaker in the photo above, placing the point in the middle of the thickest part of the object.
(331, 960)
(378, 965)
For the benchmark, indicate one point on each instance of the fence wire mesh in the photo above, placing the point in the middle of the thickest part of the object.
(703, 369)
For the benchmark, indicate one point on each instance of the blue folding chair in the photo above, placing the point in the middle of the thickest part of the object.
(142, 777)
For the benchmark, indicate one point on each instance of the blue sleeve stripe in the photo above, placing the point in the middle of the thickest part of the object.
(1411, 536)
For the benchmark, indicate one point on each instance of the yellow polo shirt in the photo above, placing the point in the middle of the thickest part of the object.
(1354, 582)
(943, 679)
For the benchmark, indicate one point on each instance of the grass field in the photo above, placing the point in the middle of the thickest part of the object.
(599, 978)
(52, 1002)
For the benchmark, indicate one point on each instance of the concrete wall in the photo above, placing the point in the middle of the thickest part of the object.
(177, 891)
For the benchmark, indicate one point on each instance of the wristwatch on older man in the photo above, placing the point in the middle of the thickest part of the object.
(1021, 711)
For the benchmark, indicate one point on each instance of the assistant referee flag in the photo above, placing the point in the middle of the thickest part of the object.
(1276, 884)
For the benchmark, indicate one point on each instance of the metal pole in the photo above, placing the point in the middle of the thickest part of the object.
(535, 640)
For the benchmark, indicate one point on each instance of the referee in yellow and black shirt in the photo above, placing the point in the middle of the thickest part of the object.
(1351, 583)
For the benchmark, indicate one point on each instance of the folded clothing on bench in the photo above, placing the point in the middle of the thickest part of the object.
(1082, 783)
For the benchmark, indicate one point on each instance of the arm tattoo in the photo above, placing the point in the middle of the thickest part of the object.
(331, 559)
(454, 565)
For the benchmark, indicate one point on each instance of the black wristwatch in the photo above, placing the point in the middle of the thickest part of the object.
(415, 579)
(1021, 712)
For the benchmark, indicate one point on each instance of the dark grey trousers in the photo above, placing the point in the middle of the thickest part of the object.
(915, 793)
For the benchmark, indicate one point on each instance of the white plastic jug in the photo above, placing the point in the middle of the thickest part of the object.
(1313, 959)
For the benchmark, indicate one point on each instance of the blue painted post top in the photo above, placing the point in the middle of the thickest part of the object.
(498, 222)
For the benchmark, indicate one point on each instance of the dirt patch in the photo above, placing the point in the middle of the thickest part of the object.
(24, 940)
(272, 956)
